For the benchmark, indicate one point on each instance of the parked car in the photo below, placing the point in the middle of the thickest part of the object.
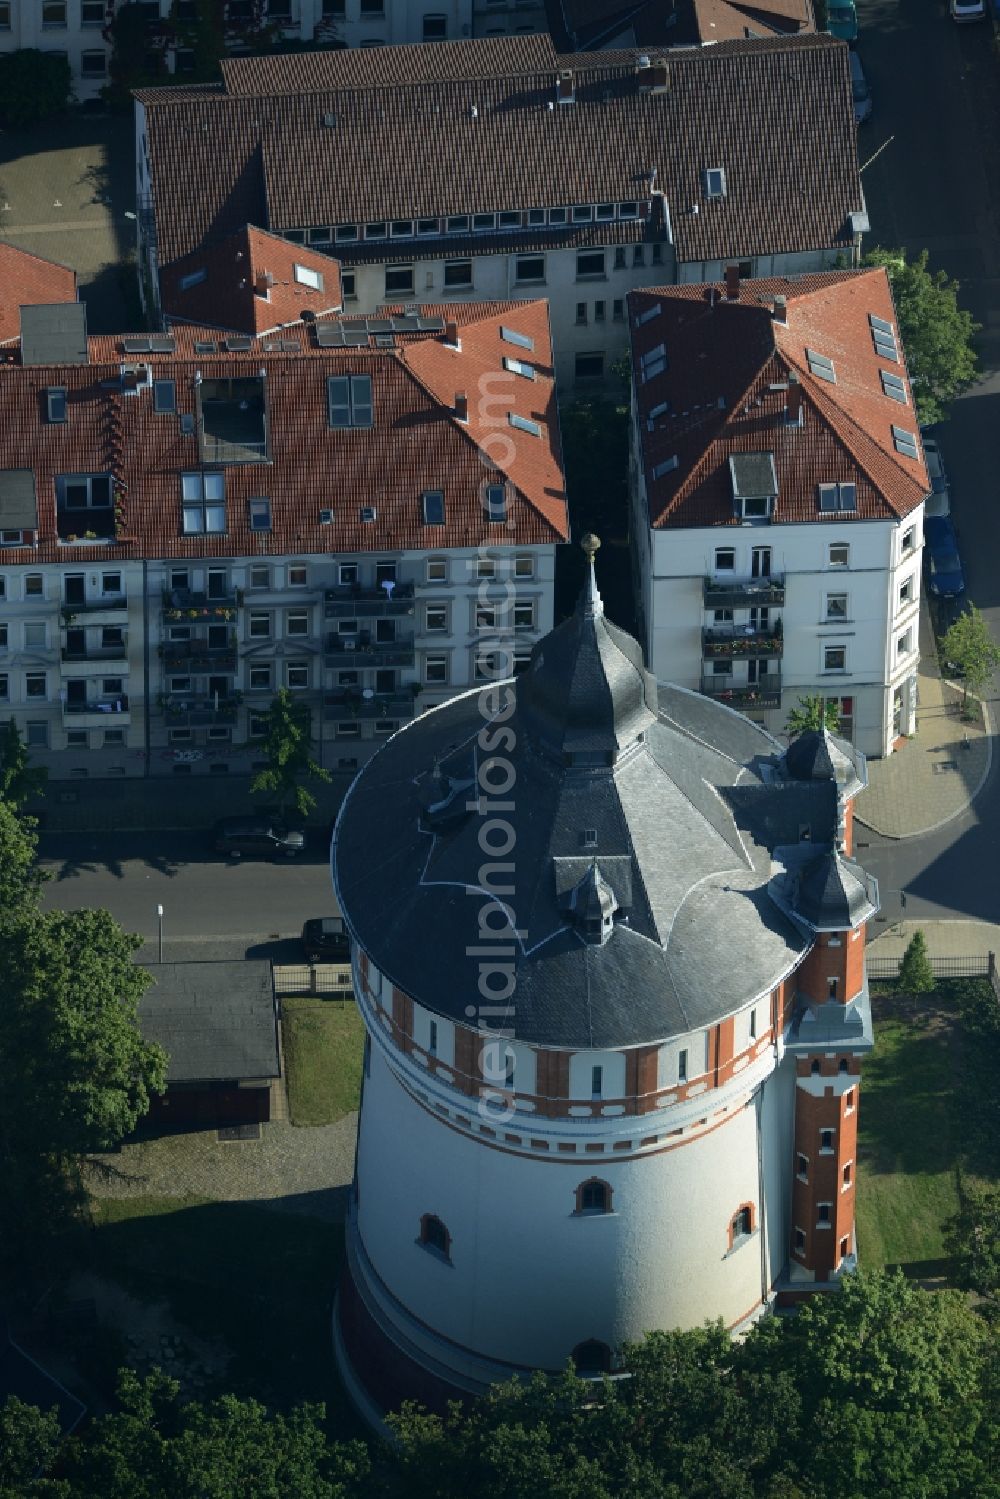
(842, 20)
(325, 940)
(939, 501)
(945, 578)
(860, 90)
(257, 837)
(967, 10)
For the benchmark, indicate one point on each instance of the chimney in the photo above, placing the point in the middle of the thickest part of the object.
(565, 91)
(793, 403)
(461, 406)
(780, 310)
(732, 283)
(451, 337)
(263, 281)
(658, 77)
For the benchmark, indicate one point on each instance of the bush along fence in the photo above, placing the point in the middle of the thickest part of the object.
(973, 966)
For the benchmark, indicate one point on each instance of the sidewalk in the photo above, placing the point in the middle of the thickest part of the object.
(159, 804)
(945, 939)
(934, 775)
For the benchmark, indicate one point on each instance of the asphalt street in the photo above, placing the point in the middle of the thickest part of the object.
(213, 907)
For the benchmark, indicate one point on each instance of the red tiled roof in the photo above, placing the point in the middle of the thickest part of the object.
(724, 358)
(676, 23)
(385, 67)
(776, 114)
(415, 444)
(231, 296)
(25, 281)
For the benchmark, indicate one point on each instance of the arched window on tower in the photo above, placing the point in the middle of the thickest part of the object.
(742, 1224)
(434, 1236)
(592, 1357)
(593, 1196)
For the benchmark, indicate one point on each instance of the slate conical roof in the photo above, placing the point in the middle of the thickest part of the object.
(818, 755)
(832, 893)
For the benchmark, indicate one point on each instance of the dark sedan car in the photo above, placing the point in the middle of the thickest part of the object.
(257, 837)
(325, 940)
(945, 578)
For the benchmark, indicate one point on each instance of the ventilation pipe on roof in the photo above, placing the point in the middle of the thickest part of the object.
(461, 406)
(732, 283)
(451, 338)
(565, 90)
(793, 402)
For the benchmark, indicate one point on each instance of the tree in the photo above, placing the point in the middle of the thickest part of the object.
(936, 333)
(20, 877)
(19, 779)
(33, 85)
(970, 646)
(973, 1237)
(288, 745)
(29, 1441)
(813, 713)
(916, 976)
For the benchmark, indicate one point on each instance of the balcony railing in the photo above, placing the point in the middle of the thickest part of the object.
(737, 644)
(96, 653)
(339, 706)
(197, 655)
(739, 593)
(116, 602)
(765, 693)
(351, 601)
(180, 604)
(187, 712)
(97, 711)
(366, 652)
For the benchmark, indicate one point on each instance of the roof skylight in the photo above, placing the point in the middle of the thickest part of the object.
(520, 340)
(518, 367)
(649, 314)
(821, 366)
(524, 424)
(893, 386)
(904, 442)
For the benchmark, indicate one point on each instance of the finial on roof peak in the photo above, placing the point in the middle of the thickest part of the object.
(590, 545)
(593, 604)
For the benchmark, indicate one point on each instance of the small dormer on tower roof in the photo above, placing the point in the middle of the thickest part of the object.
(818, 755)
(828, 892)
(592, 905)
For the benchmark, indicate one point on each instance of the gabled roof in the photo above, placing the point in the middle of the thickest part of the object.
(722, 387)
(27, 281)
(216, 1021)
(675, 23)
(250, 282)
(416, 442)
(776, 115)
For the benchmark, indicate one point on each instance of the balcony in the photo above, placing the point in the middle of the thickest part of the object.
(198, 655)
(765, 693)
(183, 711)
(180, 606)
(106, 653)
(738, 644)
(365, 652)
(97, 713)
(338, 706)
(108, 603)
(351, 601)
(736, 593)
(232, 421)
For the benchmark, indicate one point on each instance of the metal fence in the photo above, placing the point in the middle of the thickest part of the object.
(979, 965)
(313, 979)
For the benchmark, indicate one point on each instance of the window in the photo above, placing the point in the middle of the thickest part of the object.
(113, 737)
(823, 1214)
(348, 573)
(437, 570)
(753, 1025)
(260, 518)
(372, 7)
(741, 1226)
(826, 1141)
(524, 567)
(385, 630)
(433, 1234)
(598, 312)
(436, 617)
(35, 684)
(485, 567)
(715, 182)
(849, 1101)
(802, 1167)
(638, 255)
(682, 1066)
(306, 276)
(557, 215)
(588, 366)
(495, 503)
(5, 14)
(298, 575)
(524, 616)
(203, 503)
(457, 273)
(581, 312)
(800, 1241)
(593, 1196)
(164, 396)
(457, 223)
(348, 286)
(94, 63)
(297, 674)
(839, 554)
(296, 621)
(378, 230)
(838, 497)
(77, 739)
(194, 278)
(835, 658)
(83, 491)
(399, 280)
(821, 366)
(905, 643)
(349, 400)
(54, 14)
(814, 1068)
(909, 540)
(260, 677)
(592, 1357)
(529, 269)
(428, 226)
(893, 386)
(725, 559)
(257, 724)
(596, 1082)
(589, 263)
(432, 507)
(259, 625)
(55, 404)
(618, 310)
(435, 669)
(904, 442)
(836, 606)
(524, 424)
(34, 636)
(518, 367)
(36, 734)
(847, 1175)
(4, 687)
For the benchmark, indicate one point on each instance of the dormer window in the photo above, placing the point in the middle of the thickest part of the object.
(55, 404)
(755, 485)
(821, 367)
(715, 182)
(432, 505)
(834, 498)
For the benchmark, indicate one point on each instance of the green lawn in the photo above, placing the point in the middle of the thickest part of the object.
(324, 1047)
(261, 1280)
(908, 1151)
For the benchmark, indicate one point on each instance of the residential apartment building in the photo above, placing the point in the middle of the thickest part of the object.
(497, 168)
(363, 511)
(778, 482)
(589, 25)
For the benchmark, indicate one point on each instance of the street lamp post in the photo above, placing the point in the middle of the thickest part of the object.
(159, 920)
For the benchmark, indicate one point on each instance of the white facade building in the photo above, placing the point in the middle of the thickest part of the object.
(809, 585)
(592, 1005)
